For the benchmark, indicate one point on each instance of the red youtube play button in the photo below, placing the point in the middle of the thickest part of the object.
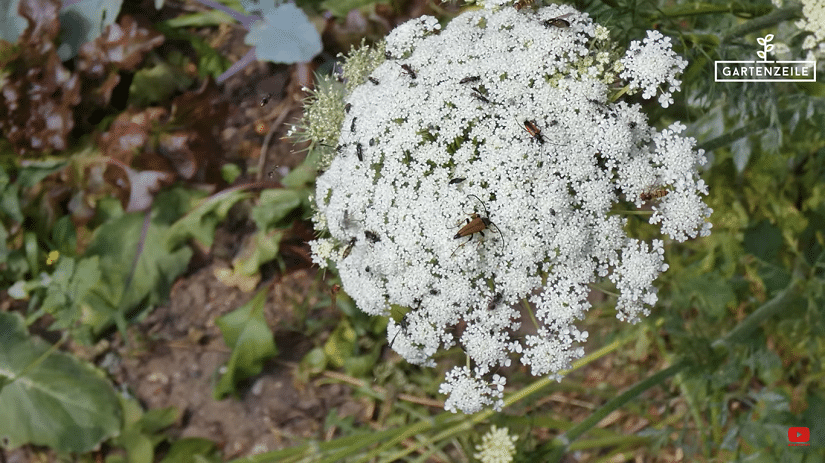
(799, 434)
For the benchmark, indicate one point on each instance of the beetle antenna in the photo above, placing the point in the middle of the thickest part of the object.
(482, 204)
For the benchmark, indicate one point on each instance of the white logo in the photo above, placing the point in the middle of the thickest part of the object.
(765, 70)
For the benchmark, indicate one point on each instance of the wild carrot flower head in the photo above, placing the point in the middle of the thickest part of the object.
(518, 105)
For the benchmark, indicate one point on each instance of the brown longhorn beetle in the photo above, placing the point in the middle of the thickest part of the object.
(534, 131)
(476, 224)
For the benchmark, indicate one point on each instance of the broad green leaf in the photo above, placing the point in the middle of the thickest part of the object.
(31, 173)
(257, 250)
(200, 222)
(273, 206)
(245, 331)
(51, 398)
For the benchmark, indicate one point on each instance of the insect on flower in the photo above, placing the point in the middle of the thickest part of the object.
(522, 3)
(348, 249)
(475, 224)
(347, 107)
(359, 152)
(373, 80)
(409, 70)
(402, 327)
(469, 79)
(457, 180)
(653, 193)
(372, 236)
(558, 21)
(533, 130)
(479, 96)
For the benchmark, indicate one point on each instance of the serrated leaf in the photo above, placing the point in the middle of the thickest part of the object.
(284, 35)
(245, 331)
(51, 398)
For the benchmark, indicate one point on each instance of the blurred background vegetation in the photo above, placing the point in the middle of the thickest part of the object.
(159, 302)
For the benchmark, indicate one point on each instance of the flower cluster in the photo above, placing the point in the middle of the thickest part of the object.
(497, 446)
(650, 64)
(485, 164)
(814, 22)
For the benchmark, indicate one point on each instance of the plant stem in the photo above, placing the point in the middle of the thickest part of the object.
(792, 11)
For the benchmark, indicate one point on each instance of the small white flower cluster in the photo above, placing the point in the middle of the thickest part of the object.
(813, 22)
(470, 393)
(651, 64)
(497, 446)
(485, 164)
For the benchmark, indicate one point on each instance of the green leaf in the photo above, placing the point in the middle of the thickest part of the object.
(340, 345)
(192, 450)
(158, 419)
(115, 244)
(51, 398)
(230, 172)
(67, 291)
(201, 221)
(763, 241)
(273, 206)
(33, 172)
(257, 250)
(157, 83)
(245, 331)
(64, 235)
(10, 203)
(200, 19)
(315, 361)
(712, 291)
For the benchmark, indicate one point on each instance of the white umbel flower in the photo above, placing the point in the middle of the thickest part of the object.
(651, 64)
(497, 446)
(502, 120)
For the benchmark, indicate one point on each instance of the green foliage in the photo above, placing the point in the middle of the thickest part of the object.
(152, 85)
(245, 331)
(193, 450)
(51, 398)
(143, 431)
